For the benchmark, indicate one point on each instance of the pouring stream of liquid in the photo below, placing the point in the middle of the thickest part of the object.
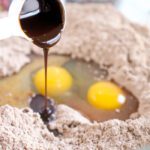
(45, 65)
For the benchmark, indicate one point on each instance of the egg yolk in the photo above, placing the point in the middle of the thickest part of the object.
(58, 81)
(106, 95)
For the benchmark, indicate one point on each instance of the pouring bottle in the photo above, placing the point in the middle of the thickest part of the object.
(11, 26)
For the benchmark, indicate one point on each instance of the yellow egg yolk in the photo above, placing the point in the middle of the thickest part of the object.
(106, 95)
(58, 81)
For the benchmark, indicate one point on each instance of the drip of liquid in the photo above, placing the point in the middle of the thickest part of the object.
(43, 22)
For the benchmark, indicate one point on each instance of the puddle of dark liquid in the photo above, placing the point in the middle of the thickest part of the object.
(37, 104)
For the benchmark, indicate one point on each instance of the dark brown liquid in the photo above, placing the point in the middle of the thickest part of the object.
(45, 65)
(37, 104)
(43, 22)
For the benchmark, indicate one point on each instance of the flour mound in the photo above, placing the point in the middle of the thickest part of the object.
(22, 129)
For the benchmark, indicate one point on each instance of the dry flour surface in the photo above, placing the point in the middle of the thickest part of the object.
(112, 42)
(24, 130)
